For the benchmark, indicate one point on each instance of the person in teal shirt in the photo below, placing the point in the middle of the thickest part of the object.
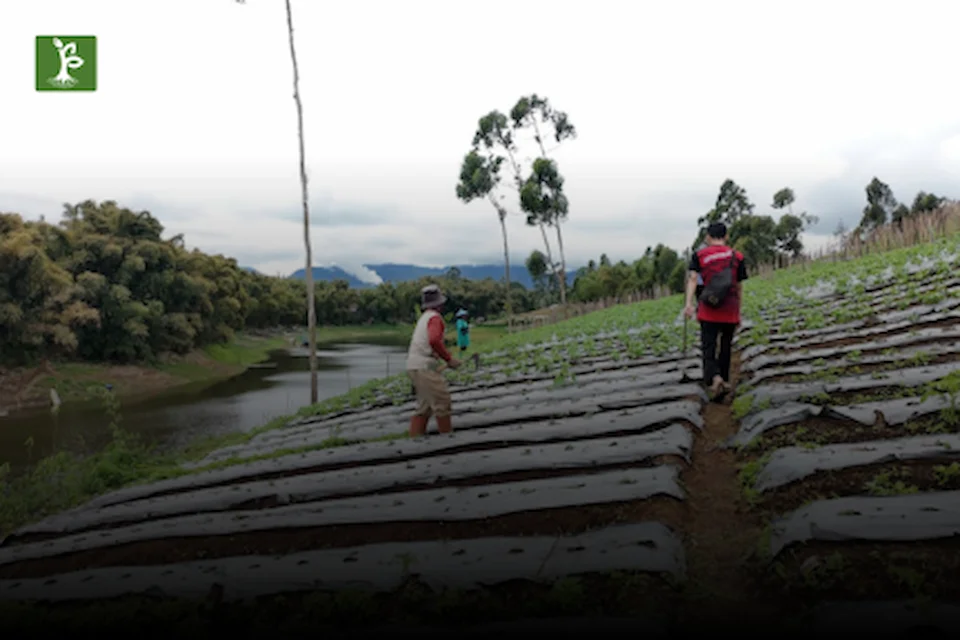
(463, 330)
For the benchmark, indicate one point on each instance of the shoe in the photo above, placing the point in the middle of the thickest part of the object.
(418, 426)
(722, 392)
(716, 389)
(443, 424)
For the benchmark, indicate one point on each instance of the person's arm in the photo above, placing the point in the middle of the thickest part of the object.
(692, 279)
(435, 329)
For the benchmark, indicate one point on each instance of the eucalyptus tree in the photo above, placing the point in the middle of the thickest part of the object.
(541, 193)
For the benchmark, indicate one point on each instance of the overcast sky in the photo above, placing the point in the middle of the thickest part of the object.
(194, 119)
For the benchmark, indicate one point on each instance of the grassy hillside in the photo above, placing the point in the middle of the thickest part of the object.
(587, 473)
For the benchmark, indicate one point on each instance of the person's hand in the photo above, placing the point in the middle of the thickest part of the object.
(454, 363)
(689, 310)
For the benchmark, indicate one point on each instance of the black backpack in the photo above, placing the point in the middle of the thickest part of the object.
(715, 292)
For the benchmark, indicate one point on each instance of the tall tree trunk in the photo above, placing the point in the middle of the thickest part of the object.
(562, 276)
(502, 214)
(563, 267)
(311, 307)
(543, 231)
(553, 267)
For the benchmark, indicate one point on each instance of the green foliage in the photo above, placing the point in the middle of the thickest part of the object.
(540, 191)
(880, 205)
(659, 266)
(64, 480)
(104, 285)
(760, 238)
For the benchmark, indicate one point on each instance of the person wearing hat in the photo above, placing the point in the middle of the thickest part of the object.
(423, 363)
(463, 330)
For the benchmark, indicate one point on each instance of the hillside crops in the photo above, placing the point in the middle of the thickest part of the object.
(588, 465)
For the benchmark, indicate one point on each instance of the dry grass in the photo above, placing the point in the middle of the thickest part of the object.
(918, 229)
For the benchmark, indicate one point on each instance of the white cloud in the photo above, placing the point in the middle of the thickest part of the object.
(193, 118)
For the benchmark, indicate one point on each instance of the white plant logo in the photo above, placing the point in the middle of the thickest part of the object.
(68, 60)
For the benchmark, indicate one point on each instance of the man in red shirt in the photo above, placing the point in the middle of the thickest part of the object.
(423, 362)
(717, 323)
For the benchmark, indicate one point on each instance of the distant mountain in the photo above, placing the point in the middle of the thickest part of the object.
(392, 272)
(330, 274)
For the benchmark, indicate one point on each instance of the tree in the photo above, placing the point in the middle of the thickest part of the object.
(495, 133)
(664, 261)
(453, 273)
(311, 310)
(880, 205)
(898, 215)
(789, 227)
(756, 237)
(784, 198)
(925, 202)
(541, 194)
(479, 178)
(732, 204)
(787, 235)
(538, 268)
(544, 202)
(106, 285)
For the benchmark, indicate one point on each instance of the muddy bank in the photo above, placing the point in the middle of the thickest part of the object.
(28, 388)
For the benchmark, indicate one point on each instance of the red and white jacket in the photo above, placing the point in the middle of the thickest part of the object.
(426, 345)
(710, 261)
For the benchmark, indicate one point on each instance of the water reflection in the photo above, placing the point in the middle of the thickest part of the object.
(278, 387)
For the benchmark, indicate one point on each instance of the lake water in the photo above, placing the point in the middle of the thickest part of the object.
(185, 414)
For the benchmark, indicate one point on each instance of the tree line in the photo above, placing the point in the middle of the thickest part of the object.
(883, 208)
(763, 239)
(103, 284)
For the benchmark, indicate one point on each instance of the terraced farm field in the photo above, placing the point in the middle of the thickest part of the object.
(587, 475)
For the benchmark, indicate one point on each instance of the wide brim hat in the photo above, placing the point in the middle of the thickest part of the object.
(461, 313)
(431, 297)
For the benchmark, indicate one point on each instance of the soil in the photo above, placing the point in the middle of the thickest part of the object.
(863, 396)
(829, 571)
(861, 369)
(787, 347)
(914, 476)
(720, 529)
(821, 431)
(25, 389)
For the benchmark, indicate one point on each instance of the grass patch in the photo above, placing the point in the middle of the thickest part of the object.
(66, 480)
(82, 381)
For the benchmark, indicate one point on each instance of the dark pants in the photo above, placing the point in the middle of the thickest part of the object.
(717, 343)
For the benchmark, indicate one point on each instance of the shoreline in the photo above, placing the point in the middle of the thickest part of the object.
(50, 487)
(27, 389)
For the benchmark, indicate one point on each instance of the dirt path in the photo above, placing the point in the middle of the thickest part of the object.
(722, 535)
